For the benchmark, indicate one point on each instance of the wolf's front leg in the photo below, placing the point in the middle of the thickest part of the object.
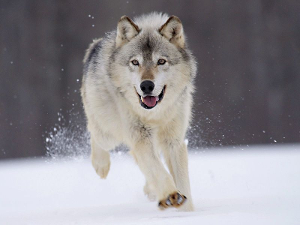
(100, 159)
(151, 166)
(176, 157)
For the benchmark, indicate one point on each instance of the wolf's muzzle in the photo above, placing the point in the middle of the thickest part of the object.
(149, 102)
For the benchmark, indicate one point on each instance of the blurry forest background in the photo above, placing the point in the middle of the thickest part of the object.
(248, 52)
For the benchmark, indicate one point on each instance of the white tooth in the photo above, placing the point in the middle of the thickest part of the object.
(156, 98)
(142, 99)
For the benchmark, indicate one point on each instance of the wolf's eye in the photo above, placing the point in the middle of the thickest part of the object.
(161, 62)
(135, 62)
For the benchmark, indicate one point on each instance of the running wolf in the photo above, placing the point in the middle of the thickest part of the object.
(137, 90)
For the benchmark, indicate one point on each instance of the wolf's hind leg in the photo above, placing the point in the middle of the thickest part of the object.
(149, 191)
(100, 159)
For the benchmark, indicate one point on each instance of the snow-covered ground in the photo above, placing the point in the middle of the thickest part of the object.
(257, 185)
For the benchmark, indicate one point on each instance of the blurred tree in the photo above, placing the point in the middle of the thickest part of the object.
(248, 86)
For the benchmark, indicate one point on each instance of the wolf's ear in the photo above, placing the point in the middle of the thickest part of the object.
(173, 31)
(126, 30)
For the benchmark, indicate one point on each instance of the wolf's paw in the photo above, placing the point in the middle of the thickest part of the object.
(101, 169)
(173, 200)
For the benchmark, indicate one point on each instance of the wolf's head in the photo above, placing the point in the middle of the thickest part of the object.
(152, 65)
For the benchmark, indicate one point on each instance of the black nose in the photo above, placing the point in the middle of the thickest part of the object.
(147, 86)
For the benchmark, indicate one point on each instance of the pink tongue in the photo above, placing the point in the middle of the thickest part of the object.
(150, 101)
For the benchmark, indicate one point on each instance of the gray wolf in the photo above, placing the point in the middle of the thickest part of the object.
(137, 90)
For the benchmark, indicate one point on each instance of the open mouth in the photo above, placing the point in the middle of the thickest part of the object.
(149, 102)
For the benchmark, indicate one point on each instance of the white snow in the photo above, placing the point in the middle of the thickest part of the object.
(259, 185)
